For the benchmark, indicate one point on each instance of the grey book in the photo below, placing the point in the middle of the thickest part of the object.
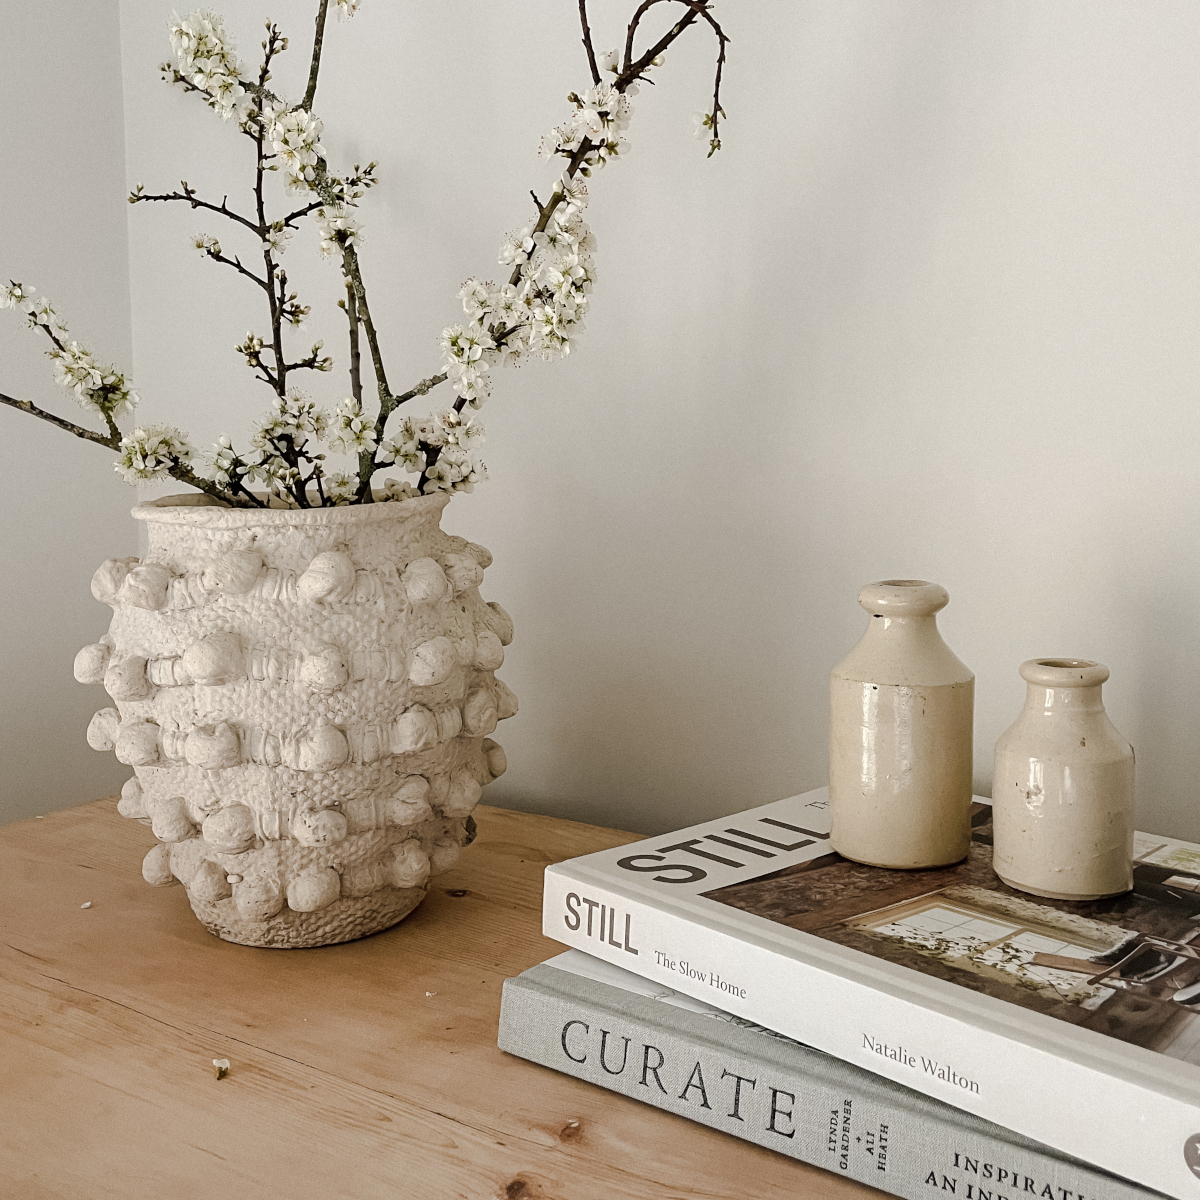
(597, 1022)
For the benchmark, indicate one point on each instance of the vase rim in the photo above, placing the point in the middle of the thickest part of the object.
(200, 509)
(1064, 672)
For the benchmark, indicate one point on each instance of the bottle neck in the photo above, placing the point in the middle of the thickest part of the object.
(1053, 700)
(918, 630)
(906, 651)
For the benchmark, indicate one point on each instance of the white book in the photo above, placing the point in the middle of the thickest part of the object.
(1075, 1024)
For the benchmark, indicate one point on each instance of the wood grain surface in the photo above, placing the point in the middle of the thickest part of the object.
(359, 1071)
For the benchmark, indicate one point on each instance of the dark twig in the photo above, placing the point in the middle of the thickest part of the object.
(318, 39)
(188, 195)
(236, 264)
(281, 369)
(185, 474)
(351, 306)
(634, 22)
(110, 440)
(302, 212)
(421, 388)
(587, 43)
(236, 485)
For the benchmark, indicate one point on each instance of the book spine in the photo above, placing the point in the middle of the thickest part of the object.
(840, 1120)
(1133, 1131)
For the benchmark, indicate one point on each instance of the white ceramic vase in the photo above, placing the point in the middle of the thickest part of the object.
(1062, 791)
(900, 740)
(305, 697)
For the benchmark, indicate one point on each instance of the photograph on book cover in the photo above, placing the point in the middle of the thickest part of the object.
(1128, 966)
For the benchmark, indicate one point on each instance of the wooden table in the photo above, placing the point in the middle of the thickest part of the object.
(358, 1071)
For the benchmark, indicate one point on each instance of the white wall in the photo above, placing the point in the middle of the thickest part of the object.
(929, 313)
(62, 229)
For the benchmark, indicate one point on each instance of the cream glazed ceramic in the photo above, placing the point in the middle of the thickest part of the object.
(305, 697)
(1062, 792)
(900, 741)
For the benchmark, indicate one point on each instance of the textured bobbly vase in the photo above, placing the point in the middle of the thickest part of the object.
(1062, 791)
(305, 697)
(900, 740)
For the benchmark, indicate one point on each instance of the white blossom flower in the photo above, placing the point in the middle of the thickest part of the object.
(509, 305)
(548, 333)
(98, 388)
(429, 431)
(515, 247)
(393, 489)
(456, 441)
(227, 467)
(16, 295)
(404, 448)
(439, 477)
(352, 431)
(476, 298)
(336, 228)
(347, 9)
(609, 61)
(206, 243)
(468, 353)
(295, 136)
(340, 487)
(277, 239)
(295, 418)
(467, 433)
(601, 114)
(207, 58)
(41, 313)
(150, 451)
(575, 196)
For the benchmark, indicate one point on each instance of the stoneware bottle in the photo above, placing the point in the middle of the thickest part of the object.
(901, 716)
(1062, 792)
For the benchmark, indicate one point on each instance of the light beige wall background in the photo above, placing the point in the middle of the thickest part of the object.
(62, 229)
(931, 312)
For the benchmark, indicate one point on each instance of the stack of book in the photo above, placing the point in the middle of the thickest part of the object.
(919, 1031)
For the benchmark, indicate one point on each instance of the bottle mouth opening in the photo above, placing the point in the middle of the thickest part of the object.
(1064, 672)
(906, 583)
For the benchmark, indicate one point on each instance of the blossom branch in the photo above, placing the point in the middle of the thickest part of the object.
(189, 196)
(172, 74)
(112, 441)
(576, 161)
(538, 312)
(633, 70)
(315, 361)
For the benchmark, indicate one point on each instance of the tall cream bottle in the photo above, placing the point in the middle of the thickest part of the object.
(901, 730)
